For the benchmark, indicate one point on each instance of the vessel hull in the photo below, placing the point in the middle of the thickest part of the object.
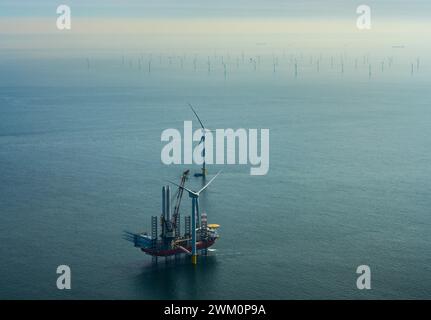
(169, 252)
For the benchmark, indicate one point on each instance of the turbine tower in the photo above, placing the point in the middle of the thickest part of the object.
(195, 212)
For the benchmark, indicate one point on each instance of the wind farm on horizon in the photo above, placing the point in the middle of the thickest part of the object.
(295, 65)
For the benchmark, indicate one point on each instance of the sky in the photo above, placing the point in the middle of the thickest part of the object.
(123, 19)
(408, 9)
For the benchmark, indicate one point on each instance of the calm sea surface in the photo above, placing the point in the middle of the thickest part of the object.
(349, 180)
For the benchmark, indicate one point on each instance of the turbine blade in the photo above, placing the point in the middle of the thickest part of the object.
(187, 189)
(202, 140)
(208, 183)
(203, 127)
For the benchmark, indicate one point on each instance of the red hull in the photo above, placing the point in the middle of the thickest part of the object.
(163, 253)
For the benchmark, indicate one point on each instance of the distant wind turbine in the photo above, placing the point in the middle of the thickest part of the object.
(204, 130)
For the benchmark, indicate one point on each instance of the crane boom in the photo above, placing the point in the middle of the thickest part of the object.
(178, 200)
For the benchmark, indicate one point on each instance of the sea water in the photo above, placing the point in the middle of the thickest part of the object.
(349, 179)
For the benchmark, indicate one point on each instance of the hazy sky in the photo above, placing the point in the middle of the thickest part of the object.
(417, 9)
(25, 24)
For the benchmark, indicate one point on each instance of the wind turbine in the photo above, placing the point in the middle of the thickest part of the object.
(204, 130)
(195, 211)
